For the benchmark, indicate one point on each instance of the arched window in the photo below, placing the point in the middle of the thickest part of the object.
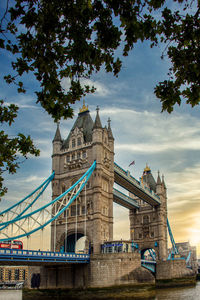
(73, 143)
(79, 141)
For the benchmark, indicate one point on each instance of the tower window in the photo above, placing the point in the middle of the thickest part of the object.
(73, 210)
(84, 154)
(78, 155)
(79, 141)
(68, 158)
(73, 156)
(73, 143)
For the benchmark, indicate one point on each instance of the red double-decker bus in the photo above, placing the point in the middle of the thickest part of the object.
(11, 245)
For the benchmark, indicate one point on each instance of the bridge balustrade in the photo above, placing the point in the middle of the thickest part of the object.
(42, 256)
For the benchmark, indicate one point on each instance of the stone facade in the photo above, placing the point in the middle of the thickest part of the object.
(118, 269)
(148, 224)
(93, 211)
(171, 269)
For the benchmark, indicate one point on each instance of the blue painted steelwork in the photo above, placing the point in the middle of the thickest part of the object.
(134, 186)
(152, 254)
(124, 200)
(188, 258)
(174, 252)
(134, 245)
(149, 264)
(83, 179)
(188, 261)
(45, 184)
(42, 256)
(17, 214)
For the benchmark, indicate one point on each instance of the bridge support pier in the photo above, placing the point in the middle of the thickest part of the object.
(170, 271)
(116, 269)
(70, 276)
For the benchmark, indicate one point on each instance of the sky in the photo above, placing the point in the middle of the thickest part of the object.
(169, 143)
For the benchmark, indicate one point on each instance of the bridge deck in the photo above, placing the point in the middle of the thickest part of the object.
(124, 200)
(30, 257)
(124, 179)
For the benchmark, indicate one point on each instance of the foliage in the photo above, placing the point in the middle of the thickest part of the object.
(72, 39)
(12, 148)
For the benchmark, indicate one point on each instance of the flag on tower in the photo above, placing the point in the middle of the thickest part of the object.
(132, 163)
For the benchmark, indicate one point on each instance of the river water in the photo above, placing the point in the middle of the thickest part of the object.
(180, 293)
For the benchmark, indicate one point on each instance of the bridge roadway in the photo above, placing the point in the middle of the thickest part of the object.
(124, 179)
(33, 257)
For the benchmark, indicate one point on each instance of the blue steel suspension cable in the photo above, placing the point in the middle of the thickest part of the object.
(45, 184)
(86, 176)
(174, 249)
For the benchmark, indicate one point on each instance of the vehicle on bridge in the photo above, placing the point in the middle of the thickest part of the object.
(11, 244)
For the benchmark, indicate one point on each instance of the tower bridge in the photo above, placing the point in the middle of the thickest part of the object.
(124, 179)
(84, 173)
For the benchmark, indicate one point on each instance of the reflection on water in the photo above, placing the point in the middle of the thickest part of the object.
(10, 295)
(181, 293)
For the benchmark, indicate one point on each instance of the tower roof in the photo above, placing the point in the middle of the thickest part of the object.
(84, 122)
(149, 179)
(97, 122)
(57, 137)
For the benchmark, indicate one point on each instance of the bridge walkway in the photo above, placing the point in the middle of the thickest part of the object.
(124, 179)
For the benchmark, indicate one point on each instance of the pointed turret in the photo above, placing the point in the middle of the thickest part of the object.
(97, 122)
(163, 182)
(57, 137)
(57, 144)
(159, 189)
(158, 179)
(110, 135)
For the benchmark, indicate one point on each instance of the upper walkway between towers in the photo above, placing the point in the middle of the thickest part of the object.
(124, 179)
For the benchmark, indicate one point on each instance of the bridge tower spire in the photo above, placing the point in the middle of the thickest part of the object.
(148, 224)
(87, 141)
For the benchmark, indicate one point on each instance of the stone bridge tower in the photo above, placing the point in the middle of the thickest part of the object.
(148, 224)
(86, 142)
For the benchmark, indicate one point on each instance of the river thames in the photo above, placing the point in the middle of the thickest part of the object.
(180, 293)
